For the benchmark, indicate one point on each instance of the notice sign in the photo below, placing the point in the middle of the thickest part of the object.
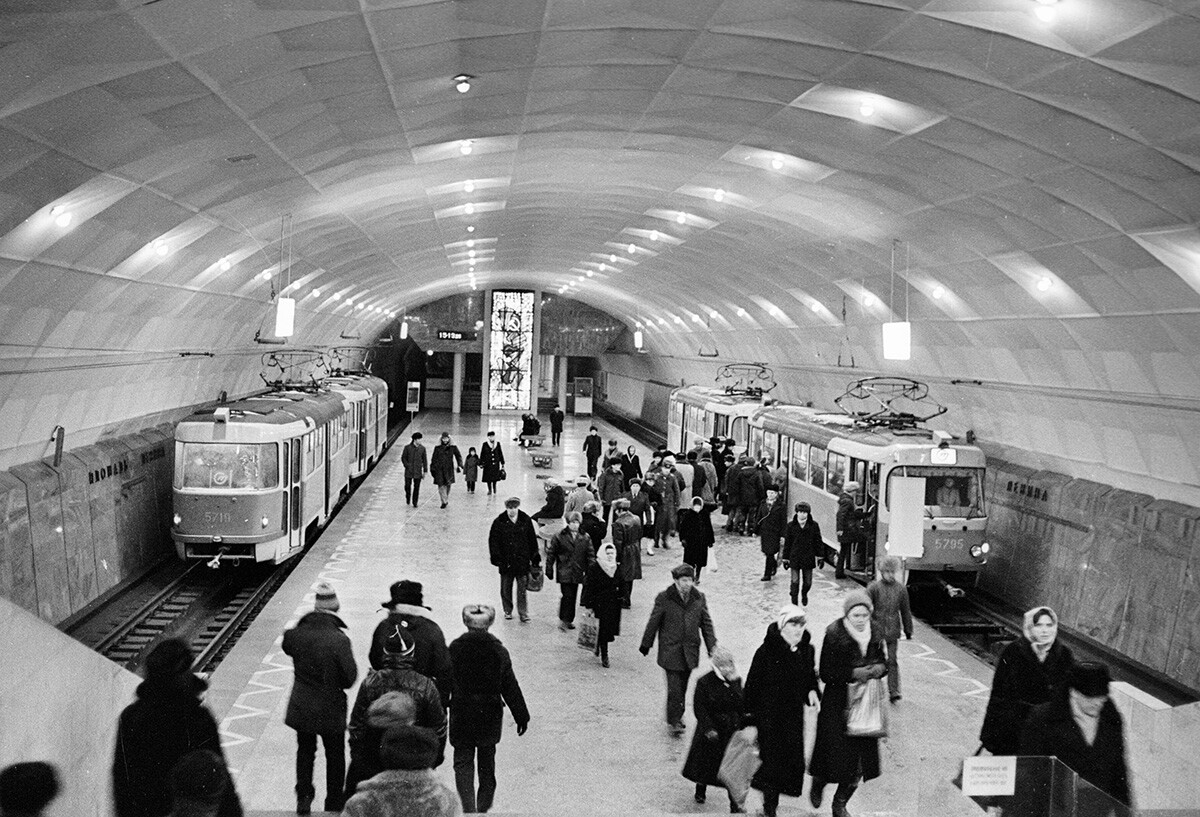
(989, 776)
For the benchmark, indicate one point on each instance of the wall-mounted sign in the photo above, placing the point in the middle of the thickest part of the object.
(412, 397)
(453, 334)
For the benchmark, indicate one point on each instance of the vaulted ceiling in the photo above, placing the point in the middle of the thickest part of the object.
(1020, 178)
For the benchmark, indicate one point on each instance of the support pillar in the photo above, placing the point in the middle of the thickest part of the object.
(561, 381)
(456, 386)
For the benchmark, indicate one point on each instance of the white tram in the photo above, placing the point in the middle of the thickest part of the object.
(697, 413)
(368, 399)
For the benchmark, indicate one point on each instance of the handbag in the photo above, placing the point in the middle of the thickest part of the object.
(536, 579)
(865, 714)
(589, 631)
(503, 474)
(739, 764)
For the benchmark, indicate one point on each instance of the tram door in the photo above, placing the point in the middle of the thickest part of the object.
(295, 486)
(363, 447)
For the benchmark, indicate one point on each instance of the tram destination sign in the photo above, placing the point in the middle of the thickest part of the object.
(456, 334)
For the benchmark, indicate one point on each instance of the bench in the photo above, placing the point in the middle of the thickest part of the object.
(531, 440)
(542, 459)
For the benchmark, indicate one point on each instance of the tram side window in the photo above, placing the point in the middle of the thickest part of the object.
(230, 466)
(722, 425)
(740, 433)
(319, 448)
(800, 461)
(770, 448)
(836, 474)
(756, 443)
(816, 466)
(309, 453)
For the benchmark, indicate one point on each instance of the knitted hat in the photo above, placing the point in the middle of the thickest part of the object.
(393, 707)
(854, 598)
(681, 571)
(27, 788)
(199, 777)
(478, 616)
(408, 747)
(170, 659)
(405, 592)
(327, 599)
(1089, 678)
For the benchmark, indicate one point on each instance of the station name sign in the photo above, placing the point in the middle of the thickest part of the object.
(453, 334)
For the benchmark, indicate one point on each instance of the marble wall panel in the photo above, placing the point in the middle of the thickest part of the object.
(77, 532)
(1082, 500)
(131, 516)
(16, 549)
(50, 578)
(149, 476)
(1176, 525)
(101, 494)
(1145, 633)
(1183, 656)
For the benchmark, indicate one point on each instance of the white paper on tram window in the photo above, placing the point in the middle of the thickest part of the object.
(906, 533)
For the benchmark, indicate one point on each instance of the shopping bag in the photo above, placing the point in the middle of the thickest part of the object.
(865, 713)
(711, 567)
(589, 631)
(739, 764)
(536, 579)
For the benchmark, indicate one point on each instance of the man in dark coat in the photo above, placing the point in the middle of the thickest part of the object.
(610, 485)
(627, 539)
(446, 460)
(772, 520)
(415, 460)
(847, 526)
(484, 684)
(491, 460)
(594, 524)
(803, 548)
(1084, 730)
(165, 723)
(409, 625)
(513, 547)
(556, 424)
(324, 669)
(679, 620)
(592, 446)
(696, 534)
(639, 506)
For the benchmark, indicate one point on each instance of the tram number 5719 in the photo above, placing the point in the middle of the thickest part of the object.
(217, 517)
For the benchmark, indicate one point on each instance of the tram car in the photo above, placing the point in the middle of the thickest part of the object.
(698, 413)
(253, 475)
(368, 399)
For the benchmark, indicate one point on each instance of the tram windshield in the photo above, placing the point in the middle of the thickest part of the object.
(949, 492)
(227, 466)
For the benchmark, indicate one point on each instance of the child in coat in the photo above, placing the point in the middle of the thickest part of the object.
(890, 597)
(471, 469)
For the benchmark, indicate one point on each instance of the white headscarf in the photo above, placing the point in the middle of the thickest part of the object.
(607, 558)
(862, 639)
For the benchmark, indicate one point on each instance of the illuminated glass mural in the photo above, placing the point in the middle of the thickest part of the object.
(511, 360)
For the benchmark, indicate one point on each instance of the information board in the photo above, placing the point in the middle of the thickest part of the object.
(412, 399)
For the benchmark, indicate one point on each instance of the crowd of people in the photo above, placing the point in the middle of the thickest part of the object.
(420, 692)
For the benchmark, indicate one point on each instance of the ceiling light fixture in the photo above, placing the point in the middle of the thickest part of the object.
(938, 292)
(815, 306)
(464, 147)
(612, 259)
(462, 83)
(777, 163)
(470, 253)
(654, 235)
(632, 249)
(719, 195)
(160, 246)
(1044, 13)
(225, 265)
(470, 228)
(470, 242)
(867, 106)
(61, 215)
(590, 273)
(469, 209)
(469, 187)
(316, 293)
(681, 218)
(868, 299)
(1044, 284)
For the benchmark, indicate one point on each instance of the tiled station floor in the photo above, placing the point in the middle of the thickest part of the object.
(597, 742)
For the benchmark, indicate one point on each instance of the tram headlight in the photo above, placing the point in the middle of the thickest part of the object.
(976, 551)
(265, 521)
(986, 547)
(176, 519)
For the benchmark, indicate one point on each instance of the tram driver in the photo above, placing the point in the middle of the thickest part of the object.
(949, 494)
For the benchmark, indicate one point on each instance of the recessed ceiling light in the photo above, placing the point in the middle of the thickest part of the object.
(470, 253)
(469, 187)
(816, 306)
(470, 228)
(777, 163)
(741, 312)
(1044, 284)
(316, 293)
(602, 267)
(867, 107)
(265, 275)
(464, 147)
(869, 299)
(462, 83)
(632, 249)
(470, 242)
(590, 273)
(654, 235)
(225, 265)
(61, 215)
(938, 292)
(681, 218)
(612, 259)
(469, 209)
(719, 195)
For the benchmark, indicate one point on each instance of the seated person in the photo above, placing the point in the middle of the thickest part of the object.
(948, 494)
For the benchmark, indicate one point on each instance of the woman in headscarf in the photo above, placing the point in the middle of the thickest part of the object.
(1031, 671)
(602, 595)
(851, 652)
(718, 704)
(782, 680)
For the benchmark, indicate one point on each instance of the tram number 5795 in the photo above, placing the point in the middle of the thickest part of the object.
(948, 542)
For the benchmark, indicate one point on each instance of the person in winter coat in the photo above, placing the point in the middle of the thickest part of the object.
(415, 460)
(366, 735)
(686, 472)
(199, 782)
(407, 786)
(550, 516)
(491, 460)
(579, 497)
(166, 722)
(27, 788)
(803, 549)
(557, 415)
(484, 684)
(611, 453)
(366, 731)
(639, 506)
(631, 466)
(847, 526)
(513, 547)
(850, 652)
(1031, 671)
(696, 535)
(1082, 727)
(610, 485)
(594, 524)
(666, 514)
(324, 668)
(890, 597)
(471, 469)
(409, 624)
(730, 488)
(709, 489)
(627, 539)
(592, 447)
(679, 620)
(718, 706)
(602, 594)
(446, 460)
(781, 682)
(772, 520)
(567, 559)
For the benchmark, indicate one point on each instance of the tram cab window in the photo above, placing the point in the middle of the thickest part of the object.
(800, 461)
(230, 466)
(949, 492)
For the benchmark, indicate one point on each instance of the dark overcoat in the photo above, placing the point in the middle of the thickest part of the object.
(777, 688)
(631, 468)
(836, 757)
(717, 704)
(696, 533)
(415, 460)
(442, 463)
(556, 420)
(166, 722)
(1050, 730)
(324, 669)
(409, 628)
(639, 506)
(471, 468)
(513, 545)
(751, 490)
(627, 539)
(1020, 683)
(491, 460)
(595, 528)
(602, 595)
(772, 520)
(802, 544)
(679, 625)
(570, 553)
(484, 684)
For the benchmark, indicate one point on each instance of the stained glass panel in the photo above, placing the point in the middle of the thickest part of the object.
(510, 363)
